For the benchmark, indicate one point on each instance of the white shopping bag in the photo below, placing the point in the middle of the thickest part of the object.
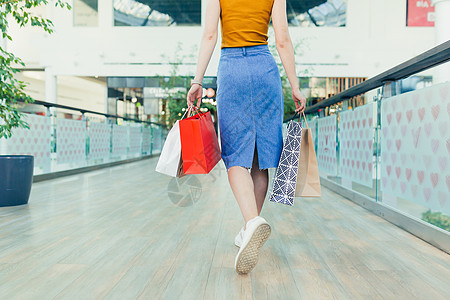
(169, 159)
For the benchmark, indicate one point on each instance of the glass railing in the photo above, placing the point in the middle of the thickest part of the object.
(347, 146)
(62, 141)
(394, 147)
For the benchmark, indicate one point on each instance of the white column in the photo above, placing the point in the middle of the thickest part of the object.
(105, 14)
(442, 32)
(51, 86)
(442, 20)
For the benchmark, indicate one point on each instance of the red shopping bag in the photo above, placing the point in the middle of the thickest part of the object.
(199, 146)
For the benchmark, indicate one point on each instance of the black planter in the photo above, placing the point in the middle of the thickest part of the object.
(16, 177)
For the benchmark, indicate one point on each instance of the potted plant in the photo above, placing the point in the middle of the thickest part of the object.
(16, 171)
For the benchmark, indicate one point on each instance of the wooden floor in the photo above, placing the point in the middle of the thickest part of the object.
(125, 233)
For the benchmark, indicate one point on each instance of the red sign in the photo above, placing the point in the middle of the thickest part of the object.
(420, 13)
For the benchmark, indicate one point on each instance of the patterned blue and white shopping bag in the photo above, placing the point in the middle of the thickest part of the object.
(283, 190)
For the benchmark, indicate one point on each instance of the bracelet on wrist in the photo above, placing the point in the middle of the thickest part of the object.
(193, 81)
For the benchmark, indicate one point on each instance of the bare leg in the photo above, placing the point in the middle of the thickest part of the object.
(260, 183)
(249, 189)
(242, 186)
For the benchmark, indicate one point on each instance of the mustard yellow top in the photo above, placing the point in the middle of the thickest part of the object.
(245, 22)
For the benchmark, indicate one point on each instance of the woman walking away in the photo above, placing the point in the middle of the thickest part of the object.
(249, 105)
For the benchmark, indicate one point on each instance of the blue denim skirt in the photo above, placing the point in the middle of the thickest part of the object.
(249, 107)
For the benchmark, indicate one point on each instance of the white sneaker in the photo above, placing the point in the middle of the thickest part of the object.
(255, 235)
(239, 237)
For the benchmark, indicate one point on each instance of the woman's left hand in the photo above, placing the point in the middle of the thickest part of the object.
(195, 93)
(297, 96)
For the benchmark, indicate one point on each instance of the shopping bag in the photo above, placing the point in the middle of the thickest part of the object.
(283, 190)
(180, 168)
(200, 150)
(297, 174)
(170, 157)
(308, 180)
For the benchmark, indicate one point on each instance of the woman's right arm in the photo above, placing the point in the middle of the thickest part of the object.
(207, 45)
(286, 51)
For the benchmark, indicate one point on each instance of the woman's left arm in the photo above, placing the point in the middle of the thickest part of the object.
(207, 45)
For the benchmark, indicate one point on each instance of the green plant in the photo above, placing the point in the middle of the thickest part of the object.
(437, 219)
(11, 89)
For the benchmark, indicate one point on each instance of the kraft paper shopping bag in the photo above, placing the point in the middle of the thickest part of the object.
(308, 181)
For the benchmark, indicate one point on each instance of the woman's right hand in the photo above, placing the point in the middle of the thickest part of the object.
(195, 93)
(300, 100)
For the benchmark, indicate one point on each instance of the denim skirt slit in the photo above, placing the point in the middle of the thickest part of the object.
(249, 107)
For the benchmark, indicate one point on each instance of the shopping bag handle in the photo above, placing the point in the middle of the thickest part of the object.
(189, 110)
(304, 117)
(192, 108)
(300, 118)
(185, 112)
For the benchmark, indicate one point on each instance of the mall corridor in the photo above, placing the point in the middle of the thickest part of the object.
(126, 232)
